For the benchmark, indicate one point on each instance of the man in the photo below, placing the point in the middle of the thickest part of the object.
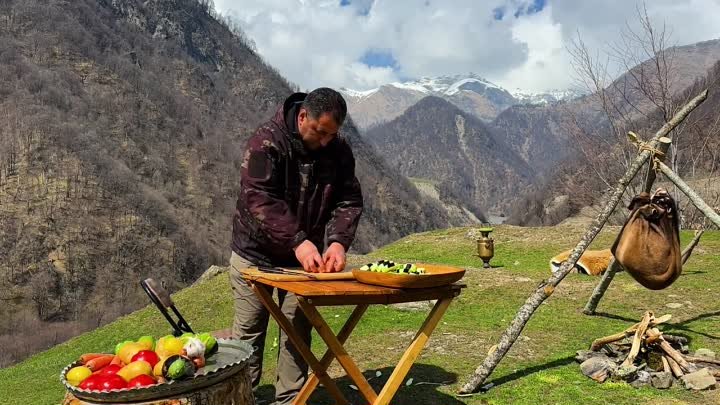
(298, 193)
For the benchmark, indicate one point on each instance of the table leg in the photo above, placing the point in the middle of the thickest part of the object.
(343, 335)
(338, 350)
(304, 350)
(412, 352)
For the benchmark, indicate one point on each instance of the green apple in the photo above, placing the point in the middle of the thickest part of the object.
(120, 345)
(210, 343)
(148, 341)
(186, 336)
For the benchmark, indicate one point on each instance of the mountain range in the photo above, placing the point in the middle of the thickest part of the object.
(578, 147)
(436, 141)
(471, 93)
(566, 144)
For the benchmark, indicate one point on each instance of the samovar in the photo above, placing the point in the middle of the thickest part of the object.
(485, 245)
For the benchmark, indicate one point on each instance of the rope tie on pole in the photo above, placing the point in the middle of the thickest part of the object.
(656, 154)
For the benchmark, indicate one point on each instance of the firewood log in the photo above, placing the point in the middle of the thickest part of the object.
(676, 356)
(674, 367)
(638, 339)
(598, 343)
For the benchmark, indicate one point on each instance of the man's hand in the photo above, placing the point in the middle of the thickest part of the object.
(334, 258)
(309, 257)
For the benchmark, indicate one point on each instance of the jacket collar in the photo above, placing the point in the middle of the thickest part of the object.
(286, 118)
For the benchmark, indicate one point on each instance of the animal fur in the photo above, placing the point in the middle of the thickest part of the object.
(591, 263)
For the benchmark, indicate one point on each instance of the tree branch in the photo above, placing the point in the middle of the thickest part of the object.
(689, 248)
(691, 194)
(546, 288)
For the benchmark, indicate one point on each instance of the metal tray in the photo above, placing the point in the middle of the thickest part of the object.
(231, 357)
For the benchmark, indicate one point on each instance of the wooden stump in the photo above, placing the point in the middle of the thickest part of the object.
(236, 390)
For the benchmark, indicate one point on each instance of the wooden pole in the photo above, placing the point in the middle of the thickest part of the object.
(601, 287)
(691, 194)
(663, 147)
(614, 266)
(689, 248)
(546, 288)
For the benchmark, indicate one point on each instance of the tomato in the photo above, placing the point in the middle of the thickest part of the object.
(141, 381)
(112, 382)
(92, 383)
(103, 382)
(109, 369)
(147, 355)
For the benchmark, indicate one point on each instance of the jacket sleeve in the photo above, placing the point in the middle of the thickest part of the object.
(347, 202)
(261, 184)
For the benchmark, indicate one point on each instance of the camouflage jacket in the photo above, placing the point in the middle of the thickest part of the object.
(289, 194)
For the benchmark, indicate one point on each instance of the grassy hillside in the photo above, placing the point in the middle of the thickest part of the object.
(122, 130)
(538, 369)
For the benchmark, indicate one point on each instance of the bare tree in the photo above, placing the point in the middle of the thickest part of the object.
(647, 93)
(42, 288)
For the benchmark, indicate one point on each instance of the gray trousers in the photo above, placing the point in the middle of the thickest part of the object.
(250, 324)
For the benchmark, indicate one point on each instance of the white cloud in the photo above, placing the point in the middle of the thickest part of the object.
(318, 42)
(370, 76)
(547, 64)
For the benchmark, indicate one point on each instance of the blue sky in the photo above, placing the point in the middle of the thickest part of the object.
(362, 7)
(379, 58)
(362, 44)
(517, 11)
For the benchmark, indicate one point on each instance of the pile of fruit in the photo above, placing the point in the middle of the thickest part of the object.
(387, 266)
(143, 363)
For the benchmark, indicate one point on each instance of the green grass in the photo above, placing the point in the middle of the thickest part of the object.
(538, 369)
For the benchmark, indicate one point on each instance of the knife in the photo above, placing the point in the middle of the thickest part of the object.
(276, 270)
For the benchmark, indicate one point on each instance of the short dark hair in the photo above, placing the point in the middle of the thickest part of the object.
(326, 100)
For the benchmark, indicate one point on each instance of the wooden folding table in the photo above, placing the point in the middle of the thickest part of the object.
(315, 293)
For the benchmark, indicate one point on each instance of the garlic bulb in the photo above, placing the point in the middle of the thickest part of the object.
(194, 348)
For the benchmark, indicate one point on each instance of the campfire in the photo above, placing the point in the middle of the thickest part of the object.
(643, 355)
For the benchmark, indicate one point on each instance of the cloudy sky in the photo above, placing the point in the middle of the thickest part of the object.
(361, 44)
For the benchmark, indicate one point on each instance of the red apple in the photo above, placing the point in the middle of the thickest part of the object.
(141, 381)
(147, 355)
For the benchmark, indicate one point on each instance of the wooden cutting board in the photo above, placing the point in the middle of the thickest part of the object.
(253, 273)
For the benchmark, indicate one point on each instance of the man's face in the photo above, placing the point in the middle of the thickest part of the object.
(316, 133)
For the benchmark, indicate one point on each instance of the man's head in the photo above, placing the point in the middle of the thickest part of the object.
(321, 115)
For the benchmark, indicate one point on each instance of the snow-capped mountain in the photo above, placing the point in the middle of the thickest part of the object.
(548, 97)
(471, 93)
(445, 85)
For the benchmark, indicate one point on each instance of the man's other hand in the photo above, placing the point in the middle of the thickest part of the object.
(309, 257)
(334, 258)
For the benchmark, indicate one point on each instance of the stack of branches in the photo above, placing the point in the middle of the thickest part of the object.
(642, 354)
